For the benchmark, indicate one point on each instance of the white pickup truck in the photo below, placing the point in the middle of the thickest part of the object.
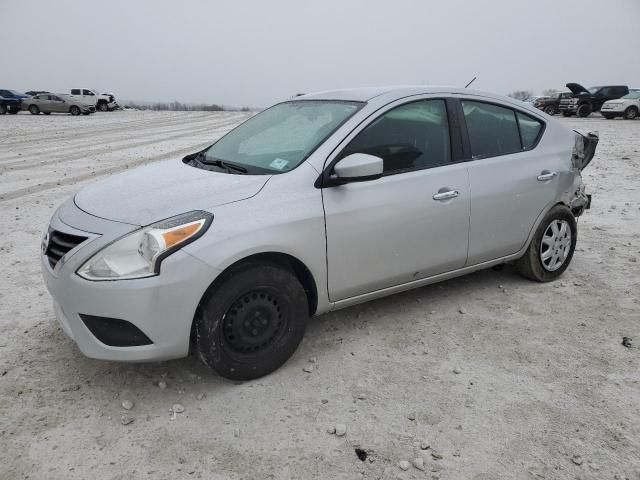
(103, 102)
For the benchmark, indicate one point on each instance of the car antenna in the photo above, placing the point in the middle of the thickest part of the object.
(472, 80)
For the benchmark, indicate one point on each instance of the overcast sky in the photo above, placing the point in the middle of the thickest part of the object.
(258, 52)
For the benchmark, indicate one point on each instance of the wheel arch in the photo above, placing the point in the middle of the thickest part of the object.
(283, 260)
(536, 224)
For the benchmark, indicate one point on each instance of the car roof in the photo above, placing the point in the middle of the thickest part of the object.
(390, 93)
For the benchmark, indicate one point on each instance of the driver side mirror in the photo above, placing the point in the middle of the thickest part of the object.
(357, 167)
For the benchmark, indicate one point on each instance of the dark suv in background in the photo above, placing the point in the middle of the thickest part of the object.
(551, 105)
(583, 101)
(10, 101)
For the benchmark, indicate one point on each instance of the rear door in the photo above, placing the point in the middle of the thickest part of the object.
(511, 180)
(411, 223)
(57, 105)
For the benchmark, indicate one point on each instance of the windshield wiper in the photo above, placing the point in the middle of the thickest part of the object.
(221, 164)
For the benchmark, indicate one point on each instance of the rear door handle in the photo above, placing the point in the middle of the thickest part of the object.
(546, 175)
(446, 195)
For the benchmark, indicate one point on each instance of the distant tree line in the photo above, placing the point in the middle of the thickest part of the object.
(183, 107)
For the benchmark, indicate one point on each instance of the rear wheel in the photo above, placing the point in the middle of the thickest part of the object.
(252, 322)
(552, 246)
(584, 110)
(34, 110)
(550, 110)
(631, 113)
(3, 109)
(74, 110)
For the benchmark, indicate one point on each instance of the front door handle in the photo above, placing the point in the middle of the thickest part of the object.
(546, 175)
(446, 195)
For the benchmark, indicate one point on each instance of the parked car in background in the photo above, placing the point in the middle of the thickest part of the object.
(627, 106)
(551, 105)
(102, 102)
(48, 103)
(36, 92)
(10, 101)
(534, 99)
(231, 249)
(584, 101)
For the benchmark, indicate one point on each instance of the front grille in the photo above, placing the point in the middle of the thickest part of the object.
(59, 244)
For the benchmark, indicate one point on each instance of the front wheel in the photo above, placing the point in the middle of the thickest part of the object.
(584, 110)
(103, 107)
(34, 110)
(631, 113)
(552, 246)
(249, 324)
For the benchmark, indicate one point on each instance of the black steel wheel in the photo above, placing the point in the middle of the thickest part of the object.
(251, 321)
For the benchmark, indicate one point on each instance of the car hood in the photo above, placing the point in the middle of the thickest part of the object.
(154, 192)
(576, 88)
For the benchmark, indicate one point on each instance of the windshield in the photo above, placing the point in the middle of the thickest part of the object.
(633, 95)
(280, 138)
(593, 90)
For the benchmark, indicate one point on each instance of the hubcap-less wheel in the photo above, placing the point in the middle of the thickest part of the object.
(103, 107)
(550, 110)
(254, 322)
(631, 113)
(555, 245)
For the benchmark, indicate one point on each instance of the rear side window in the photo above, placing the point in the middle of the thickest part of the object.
(75, 91)
(530, 129)
(493, 130)
(413, 136)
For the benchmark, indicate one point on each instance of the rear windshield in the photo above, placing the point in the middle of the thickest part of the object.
(280, 138)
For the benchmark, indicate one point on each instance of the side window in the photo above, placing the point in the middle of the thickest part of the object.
(87, 92)
(493, 130)
(621, 91)
(75, 91)
(530, 129)
(409, 137)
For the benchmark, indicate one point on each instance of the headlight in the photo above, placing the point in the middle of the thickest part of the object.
(139, 254)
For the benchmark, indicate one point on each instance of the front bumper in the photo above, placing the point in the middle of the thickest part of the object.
(612, 109)
(569, 108)
(161, 307)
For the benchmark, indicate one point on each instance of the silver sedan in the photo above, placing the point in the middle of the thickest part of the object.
(48, 103)
(317, 203)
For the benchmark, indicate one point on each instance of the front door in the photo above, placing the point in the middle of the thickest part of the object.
(411, 223)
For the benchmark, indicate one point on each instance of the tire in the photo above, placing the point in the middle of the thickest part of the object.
(631, 113)
(250, 323)
(550, 110)
(534, 264)
(74, 110)
(103, 107)
(3, 109)
(34, 110)
(13, 110)
(584, 110)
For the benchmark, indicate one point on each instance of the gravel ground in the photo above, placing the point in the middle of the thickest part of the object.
(531, 381)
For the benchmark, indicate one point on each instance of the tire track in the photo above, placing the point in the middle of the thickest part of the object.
(110, 128)
(60, 154)
(22, 192)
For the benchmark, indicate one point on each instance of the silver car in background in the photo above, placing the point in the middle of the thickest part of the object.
(317, 203)
(48, 103)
